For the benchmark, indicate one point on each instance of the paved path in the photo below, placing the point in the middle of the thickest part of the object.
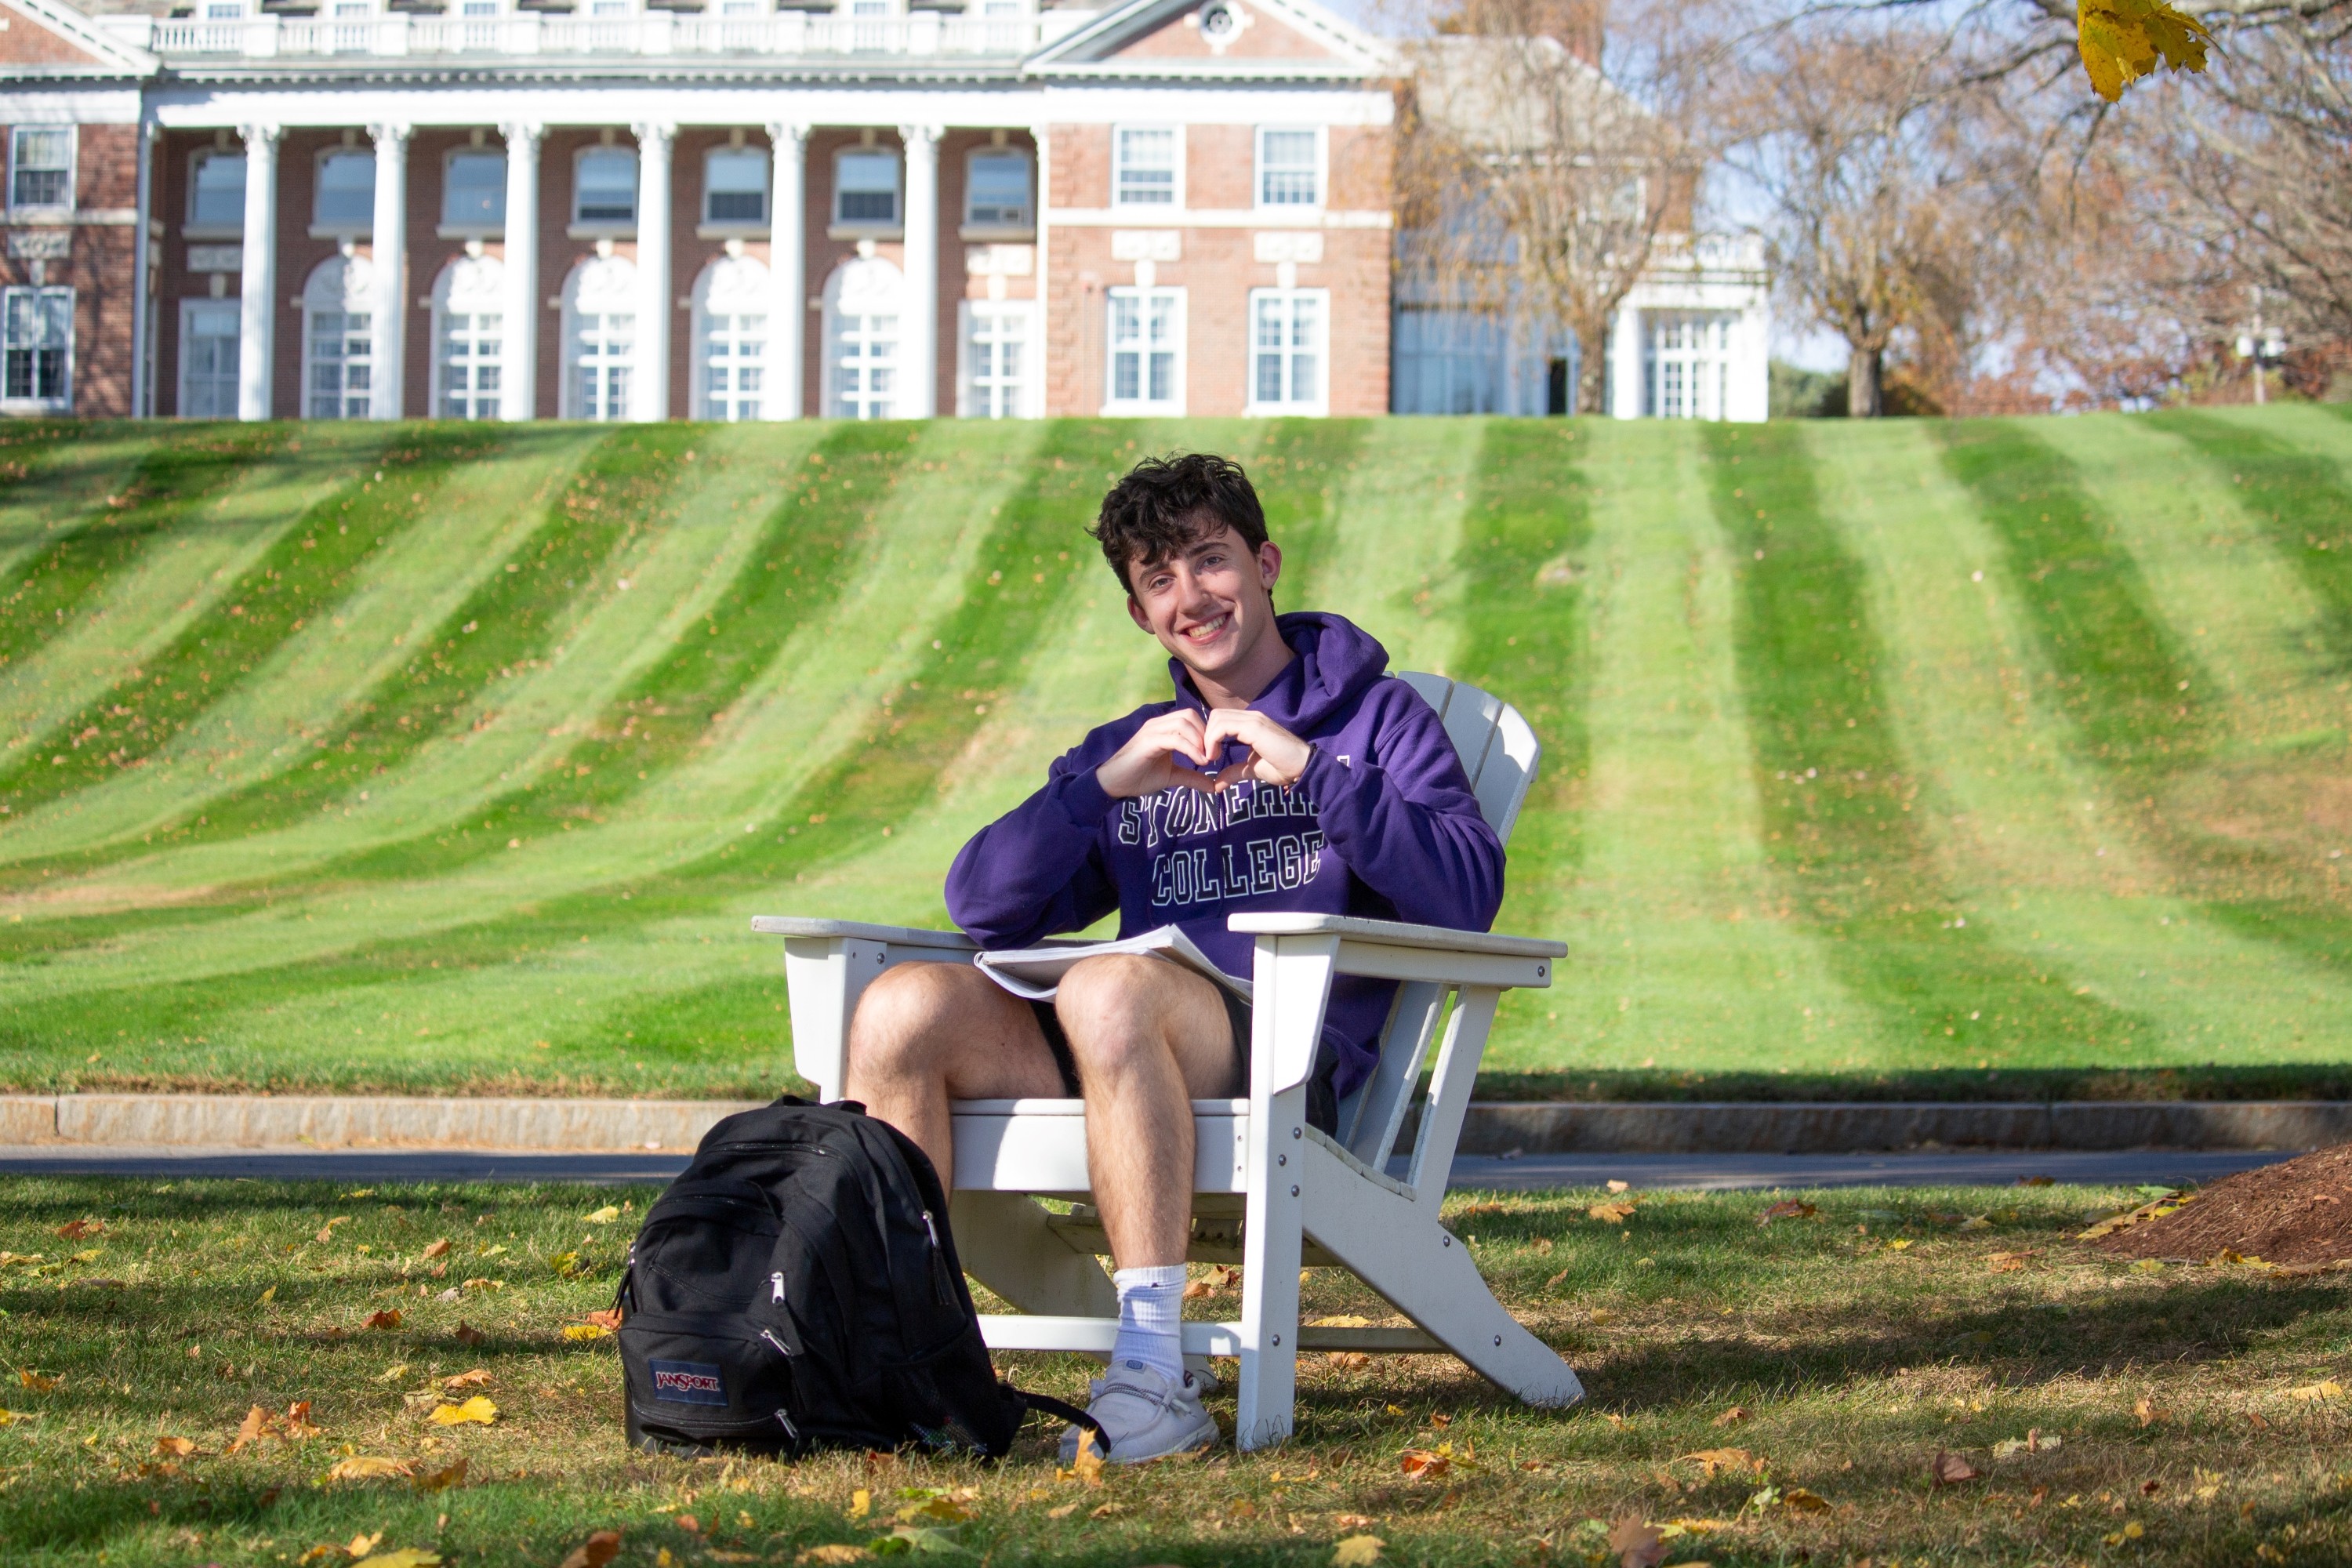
(1533, 1172)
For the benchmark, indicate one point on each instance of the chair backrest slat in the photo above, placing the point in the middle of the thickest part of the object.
(1499, 753)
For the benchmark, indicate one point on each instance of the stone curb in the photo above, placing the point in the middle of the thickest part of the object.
(1492, 1127)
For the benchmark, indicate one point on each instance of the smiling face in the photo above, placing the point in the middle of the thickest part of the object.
(1212, 605)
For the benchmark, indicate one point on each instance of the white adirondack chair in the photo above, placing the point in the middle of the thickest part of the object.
(1300, 1197)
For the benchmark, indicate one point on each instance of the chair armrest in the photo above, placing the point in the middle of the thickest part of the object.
(1396, 934)
(859, 931)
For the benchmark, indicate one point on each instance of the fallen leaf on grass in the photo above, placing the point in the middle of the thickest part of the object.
(469, 1336)
(1062, 1511)
(75, 1229)
(2254, 1419)
(478, 1378)
(2140, 1216)
(605, 1216)
(584, 1332)
(1088, 1463)
(2011, 1262)
(327, 1231)
(595, 1552)
(394, 1373)
(1787, 1208)
(1714, 1459)
(938, 1509)
(1611, 1214)
(259, 1424)
(1349, 1360)
(1553, 1283)
(1357, 1552)
(1637, 1544)
(2147, 1412)
(436, 1249)
(1617, 1187)
(1898, 1243)
(453, 1474)
(1347, 1320)
(2330, 1389)
(363, 1545)
(606, 1317)
(1977, 1222)
(389, 1317)
(1730, 1417)
(830, 1555)
(476, 1410)
(1798, 1500)
(36, 1382)
(176, 1447)
(2035, 1441)
(1542, 1246)
(406, 1557)
(368, 1468)
(1949, 1469)
(1478, 1211)
(861, 1503)
(1108, 1511)
(1425, 1462)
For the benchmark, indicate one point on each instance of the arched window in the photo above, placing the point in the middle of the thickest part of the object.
(730, 339)
(862, 299)
(600, 338)
(337, 358)
(467, 343)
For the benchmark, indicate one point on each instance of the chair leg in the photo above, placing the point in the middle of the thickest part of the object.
(1396, 1246)
(1270, 1249)
(1007, 1242)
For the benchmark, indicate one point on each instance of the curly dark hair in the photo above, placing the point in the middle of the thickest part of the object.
(1166, 505)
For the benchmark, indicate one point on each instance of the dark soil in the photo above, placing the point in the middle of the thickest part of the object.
(2296, 1213)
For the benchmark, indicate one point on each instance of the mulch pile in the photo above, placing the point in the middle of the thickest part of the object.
(2298, 1213)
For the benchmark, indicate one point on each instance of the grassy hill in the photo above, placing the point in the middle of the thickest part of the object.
(441, 756)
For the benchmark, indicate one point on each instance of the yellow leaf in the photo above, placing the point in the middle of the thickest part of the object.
(1350, 1320)
(368, 1468)
(2331, 1389)
(605, 1216)
(175, 1448)
(1898, 1243)
(861, 1503)
(1064, 1512)
(1357, 1552)
(394, 1373)
(828, 1556)
(2123, 40)
(478, 1410)
(270, 1295)
(1611, 1214)
(450, 1475)
(478, 1378)
(586, 1331)
(1088, 1463)
(36, 1382)
(363, 1545)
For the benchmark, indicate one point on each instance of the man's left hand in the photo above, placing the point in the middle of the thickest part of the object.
(1277, 756)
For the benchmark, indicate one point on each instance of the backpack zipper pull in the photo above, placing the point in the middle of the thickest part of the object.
(931, 1229)
(942, 1280)
(776, 1281)
(769, 1335)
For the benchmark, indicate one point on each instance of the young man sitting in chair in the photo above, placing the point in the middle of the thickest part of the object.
(1286, 773)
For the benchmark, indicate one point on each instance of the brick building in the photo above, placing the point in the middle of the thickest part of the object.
(727, 209)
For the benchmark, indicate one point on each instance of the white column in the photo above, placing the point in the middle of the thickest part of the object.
(257, 290)
(519, 324)
(649, 383)
(389, 242)
(142, 310)
(919, 333)
(787, 271)
(1624, 392)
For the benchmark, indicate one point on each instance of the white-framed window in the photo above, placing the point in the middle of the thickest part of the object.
(37, 349)
(731, 340)
(1288, 360)
(735, 186)
(1289, 166)
(474, 190)
(210, 330)
(224, 10)
(1686, 373)
(996, 190)
(1147, 352)
(604, 186)
(338, 346)
(468, 338)
(41, 167)
(344, 198)
(999, 360)
(600, 338)
(1147, 166)
(863, 300)
(217, 190)
(866, 188)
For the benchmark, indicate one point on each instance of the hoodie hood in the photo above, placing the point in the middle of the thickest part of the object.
(1338, 661)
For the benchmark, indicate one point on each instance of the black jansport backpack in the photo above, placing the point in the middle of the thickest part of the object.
(796, 1289)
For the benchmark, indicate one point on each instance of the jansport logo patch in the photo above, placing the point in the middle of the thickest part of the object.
(688, 1383)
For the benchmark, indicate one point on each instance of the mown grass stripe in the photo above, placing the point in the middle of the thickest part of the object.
(1839, 794)
(1394, 570)
(2122, 675)
(2303, 501)
(2033, 835)
(304, 572)
(284, 712)
(50, 590)
(52, 475)
(792, 574)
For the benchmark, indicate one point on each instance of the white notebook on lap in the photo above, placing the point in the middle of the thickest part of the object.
(1036, 973)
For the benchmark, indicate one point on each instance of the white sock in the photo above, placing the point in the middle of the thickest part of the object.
(1152, 1319)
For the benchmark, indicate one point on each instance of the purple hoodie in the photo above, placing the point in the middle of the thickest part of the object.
(1381, 824)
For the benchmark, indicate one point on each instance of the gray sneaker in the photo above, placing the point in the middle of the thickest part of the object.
(1147, 1415)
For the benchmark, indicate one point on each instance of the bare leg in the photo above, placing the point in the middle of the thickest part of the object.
(1149, 1036)
(926, 1034)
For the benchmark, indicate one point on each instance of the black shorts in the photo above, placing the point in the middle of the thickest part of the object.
(1322, 1105)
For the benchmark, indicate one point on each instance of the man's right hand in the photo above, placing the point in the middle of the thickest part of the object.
(1148, 762)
